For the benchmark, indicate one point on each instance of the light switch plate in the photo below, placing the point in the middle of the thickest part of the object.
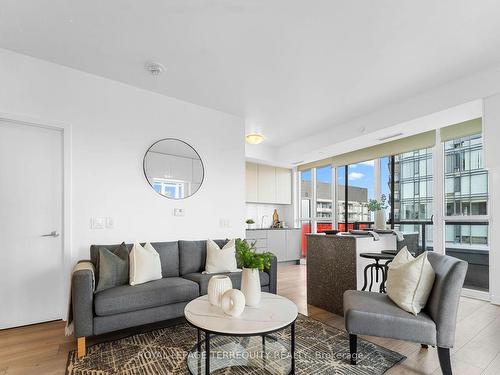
(98, 223)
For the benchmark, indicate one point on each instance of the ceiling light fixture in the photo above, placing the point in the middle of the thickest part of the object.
(154, 68)
(254, 139)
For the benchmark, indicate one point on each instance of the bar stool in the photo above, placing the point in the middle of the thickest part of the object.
(377, 257)
(394, 252)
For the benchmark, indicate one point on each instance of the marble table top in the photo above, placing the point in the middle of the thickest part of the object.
(274, 312)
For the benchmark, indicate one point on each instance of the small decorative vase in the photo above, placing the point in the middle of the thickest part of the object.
(380, 219)
(233, 302)
(217, 286)
(250, 286)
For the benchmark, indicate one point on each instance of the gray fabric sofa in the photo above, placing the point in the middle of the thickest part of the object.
(374, 314)
(127, 306)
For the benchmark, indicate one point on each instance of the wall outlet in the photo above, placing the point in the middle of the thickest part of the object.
(179, 212)
(97, 223)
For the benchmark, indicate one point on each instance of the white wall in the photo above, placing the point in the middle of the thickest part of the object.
(491, 124)
(112, 125)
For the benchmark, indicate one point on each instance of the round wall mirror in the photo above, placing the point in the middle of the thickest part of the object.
(173, 168)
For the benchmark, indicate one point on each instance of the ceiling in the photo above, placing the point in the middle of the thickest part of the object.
(290, 68)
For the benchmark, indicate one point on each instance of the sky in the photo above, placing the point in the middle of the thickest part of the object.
(360, 175)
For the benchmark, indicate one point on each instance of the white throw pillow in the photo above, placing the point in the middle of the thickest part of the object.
(410, 281)
(221, 260)
(145, 264)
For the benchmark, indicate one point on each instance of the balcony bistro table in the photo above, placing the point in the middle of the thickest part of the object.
(377, 257)
(243, 341)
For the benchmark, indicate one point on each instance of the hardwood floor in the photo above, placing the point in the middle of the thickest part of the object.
(477, 345)
(43, 348)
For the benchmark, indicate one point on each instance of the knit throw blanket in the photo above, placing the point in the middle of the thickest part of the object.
(80, 266)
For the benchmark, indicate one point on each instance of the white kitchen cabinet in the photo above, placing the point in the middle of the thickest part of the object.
(284, 243)
(283, 186)
(267, 184)
(293, 242)
(276, 243)
(251, 182)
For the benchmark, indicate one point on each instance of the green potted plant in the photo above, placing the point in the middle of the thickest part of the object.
(251, 262)
(378, 208)
(250, 223)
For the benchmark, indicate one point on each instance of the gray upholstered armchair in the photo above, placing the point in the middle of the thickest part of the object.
(374, 314)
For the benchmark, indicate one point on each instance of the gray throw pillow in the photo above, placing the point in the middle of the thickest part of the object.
(113, 267)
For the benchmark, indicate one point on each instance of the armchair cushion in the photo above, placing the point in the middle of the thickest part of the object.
(374, 314)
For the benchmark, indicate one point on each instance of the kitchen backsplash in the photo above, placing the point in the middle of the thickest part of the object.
(257, 211)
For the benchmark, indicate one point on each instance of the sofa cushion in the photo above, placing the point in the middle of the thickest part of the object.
(374, 314)
(202, 279)
(193, 254)
(169, 257)
(127, 298)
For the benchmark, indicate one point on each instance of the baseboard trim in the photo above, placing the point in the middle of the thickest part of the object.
(476, 294)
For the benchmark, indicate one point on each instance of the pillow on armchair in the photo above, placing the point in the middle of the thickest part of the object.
(410, 281)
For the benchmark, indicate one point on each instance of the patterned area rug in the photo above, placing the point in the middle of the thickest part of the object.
(320, 349)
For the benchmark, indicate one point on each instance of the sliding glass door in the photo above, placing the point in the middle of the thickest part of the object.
(413, 194)
(466, 208)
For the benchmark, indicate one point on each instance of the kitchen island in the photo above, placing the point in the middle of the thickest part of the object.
(334, 266)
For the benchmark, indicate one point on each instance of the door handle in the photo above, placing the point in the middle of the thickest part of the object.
(51, 234)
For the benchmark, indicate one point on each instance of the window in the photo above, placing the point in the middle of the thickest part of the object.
(466, 228)
(341, 186)
(305, 194)
(413, 191)
(305, 206)
(361, 185)
(324, 200)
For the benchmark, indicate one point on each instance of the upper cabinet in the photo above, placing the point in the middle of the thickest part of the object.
(266, 184)
(283, 186)
(251, 182)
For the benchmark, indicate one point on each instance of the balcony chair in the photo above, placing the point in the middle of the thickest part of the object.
(374, 314)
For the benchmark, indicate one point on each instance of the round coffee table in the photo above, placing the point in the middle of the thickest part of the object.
(254, 326)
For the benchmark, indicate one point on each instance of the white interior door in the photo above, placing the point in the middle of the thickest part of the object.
(31, 253)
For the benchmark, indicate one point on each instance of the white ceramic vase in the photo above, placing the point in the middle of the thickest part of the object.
(217, 286)
(233, 302)
(250, 286)
(380, 219)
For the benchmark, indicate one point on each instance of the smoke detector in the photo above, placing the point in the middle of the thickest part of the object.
(154, 68)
